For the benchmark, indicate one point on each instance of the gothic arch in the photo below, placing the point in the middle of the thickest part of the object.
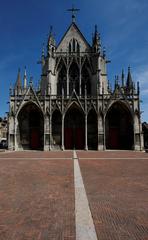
(74, 128)
(74, 75)
(92, 130)
(57, 128)
(119, 132)
(59, 64)
(62, 81)
(74, 46)
(74, 104)
(86, 62)
(85, 81)
(124, 103)
(31, 127)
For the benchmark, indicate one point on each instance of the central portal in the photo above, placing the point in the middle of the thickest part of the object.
(74, 129)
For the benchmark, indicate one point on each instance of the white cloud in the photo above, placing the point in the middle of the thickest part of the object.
(141, 76)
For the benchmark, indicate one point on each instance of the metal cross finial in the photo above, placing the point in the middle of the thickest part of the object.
(73, 10)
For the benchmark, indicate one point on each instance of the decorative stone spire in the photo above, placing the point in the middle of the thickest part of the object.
(138, 88)
(129, 82)
(10, 90)
(43, 51)
(25, 79)
(116, 81)
(31, 81)
(51, 40)
(104, 52)
(51, 44)
(122, 78)
(18, 84)
(96, 41)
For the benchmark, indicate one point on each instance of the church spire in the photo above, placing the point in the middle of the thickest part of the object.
(25, 79)
(51, 45)
(96, 40)
(129, 82)
(122, 78)
(51, 39)
(18, 84)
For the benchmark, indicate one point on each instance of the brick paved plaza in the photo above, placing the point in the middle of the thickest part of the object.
(37, 197)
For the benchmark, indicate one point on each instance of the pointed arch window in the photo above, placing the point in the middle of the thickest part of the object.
(74, 78)
(70, 47)
(62, 81)
(85, 81)
(74, 46)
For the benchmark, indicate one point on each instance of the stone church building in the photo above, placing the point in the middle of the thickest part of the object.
(74, 106)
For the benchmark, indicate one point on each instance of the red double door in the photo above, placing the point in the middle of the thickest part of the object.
(35, 139)
(114, 138)
(74, 138)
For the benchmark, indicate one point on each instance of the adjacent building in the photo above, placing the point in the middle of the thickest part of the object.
(3, 129)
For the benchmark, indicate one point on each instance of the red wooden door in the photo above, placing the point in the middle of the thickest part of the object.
(35, 139)
(68, 138)
(79, 138)
(114, 138)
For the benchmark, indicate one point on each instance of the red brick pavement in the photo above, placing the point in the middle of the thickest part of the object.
(36, 154)
(117, 191)
(36, 198)
(111, 154)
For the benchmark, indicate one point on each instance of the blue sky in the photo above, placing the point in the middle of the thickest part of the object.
(24, 26)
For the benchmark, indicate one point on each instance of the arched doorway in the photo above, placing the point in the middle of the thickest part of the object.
(57, 128)
(92, 130)
(31, 127)
(74, 129)
(119, 127)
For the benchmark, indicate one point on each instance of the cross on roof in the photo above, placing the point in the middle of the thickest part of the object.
(73, 11)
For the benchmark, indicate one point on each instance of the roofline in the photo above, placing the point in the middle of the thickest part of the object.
(79, 33)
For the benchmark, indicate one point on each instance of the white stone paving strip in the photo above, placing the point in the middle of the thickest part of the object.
(85, 229)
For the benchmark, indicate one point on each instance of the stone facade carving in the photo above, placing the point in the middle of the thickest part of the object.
(74, 106)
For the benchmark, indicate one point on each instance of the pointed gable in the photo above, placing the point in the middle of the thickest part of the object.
(73, 32)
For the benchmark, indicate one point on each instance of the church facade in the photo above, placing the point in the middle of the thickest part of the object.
(74, 106)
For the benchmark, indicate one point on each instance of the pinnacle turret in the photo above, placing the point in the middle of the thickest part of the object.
(51, 39)
(51, 44)
(129, 82)
(18, 84)
(25, 79)
(96, 41)
(122, 78)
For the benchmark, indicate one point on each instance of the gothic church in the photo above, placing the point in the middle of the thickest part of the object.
(74, 106)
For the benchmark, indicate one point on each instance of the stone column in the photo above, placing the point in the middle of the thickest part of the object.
(67, 82)
(63, 148)
(104, 134)
(50, 133)
(14, 143)
(80, 79)
(46, 133)
(101, 133)
(86, 143)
